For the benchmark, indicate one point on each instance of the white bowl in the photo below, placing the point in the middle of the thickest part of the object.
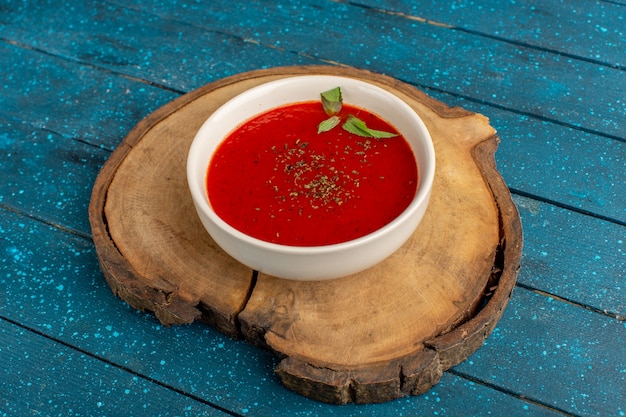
(314, 262)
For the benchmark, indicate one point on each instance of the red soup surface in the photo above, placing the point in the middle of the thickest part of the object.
(276, 179)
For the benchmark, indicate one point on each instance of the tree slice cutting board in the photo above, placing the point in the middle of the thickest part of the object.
(381, 334)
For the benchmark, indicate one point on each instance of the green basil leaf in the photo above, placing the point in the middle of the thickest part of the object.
(381, 134)
(358, 127)
(328, 124)
(331, 101)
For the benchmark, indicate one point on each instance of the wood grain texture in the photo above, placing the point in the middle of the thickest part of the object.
(169, 237)
(588, 30)
(552, 238)
(441, 275)
(565, 351)
(35, 154)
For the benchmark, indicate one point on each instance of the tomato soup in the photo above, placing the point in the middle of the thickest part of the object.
(276, 179)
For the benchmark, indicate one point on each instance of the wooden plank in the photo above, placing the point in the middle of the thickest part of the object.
(165, 53)
(46, 175)
(39, 376)
(576, 257)
(593, 30)
(63, 296)
(532, 81)
(38, 83)
(529, 80)
(556, 353)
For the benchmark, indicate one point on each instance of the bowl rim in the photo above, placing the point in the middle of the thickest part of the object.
(425, 177)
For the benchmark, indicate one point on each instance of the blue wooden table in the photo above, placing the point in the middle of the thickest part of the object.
(76, 78)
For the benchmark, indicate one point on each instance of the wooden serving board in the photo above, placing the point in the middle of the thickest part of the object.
(374, 336)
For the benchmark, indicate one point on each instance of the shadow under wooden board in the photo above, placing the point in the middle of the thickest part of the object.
(381, 334)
